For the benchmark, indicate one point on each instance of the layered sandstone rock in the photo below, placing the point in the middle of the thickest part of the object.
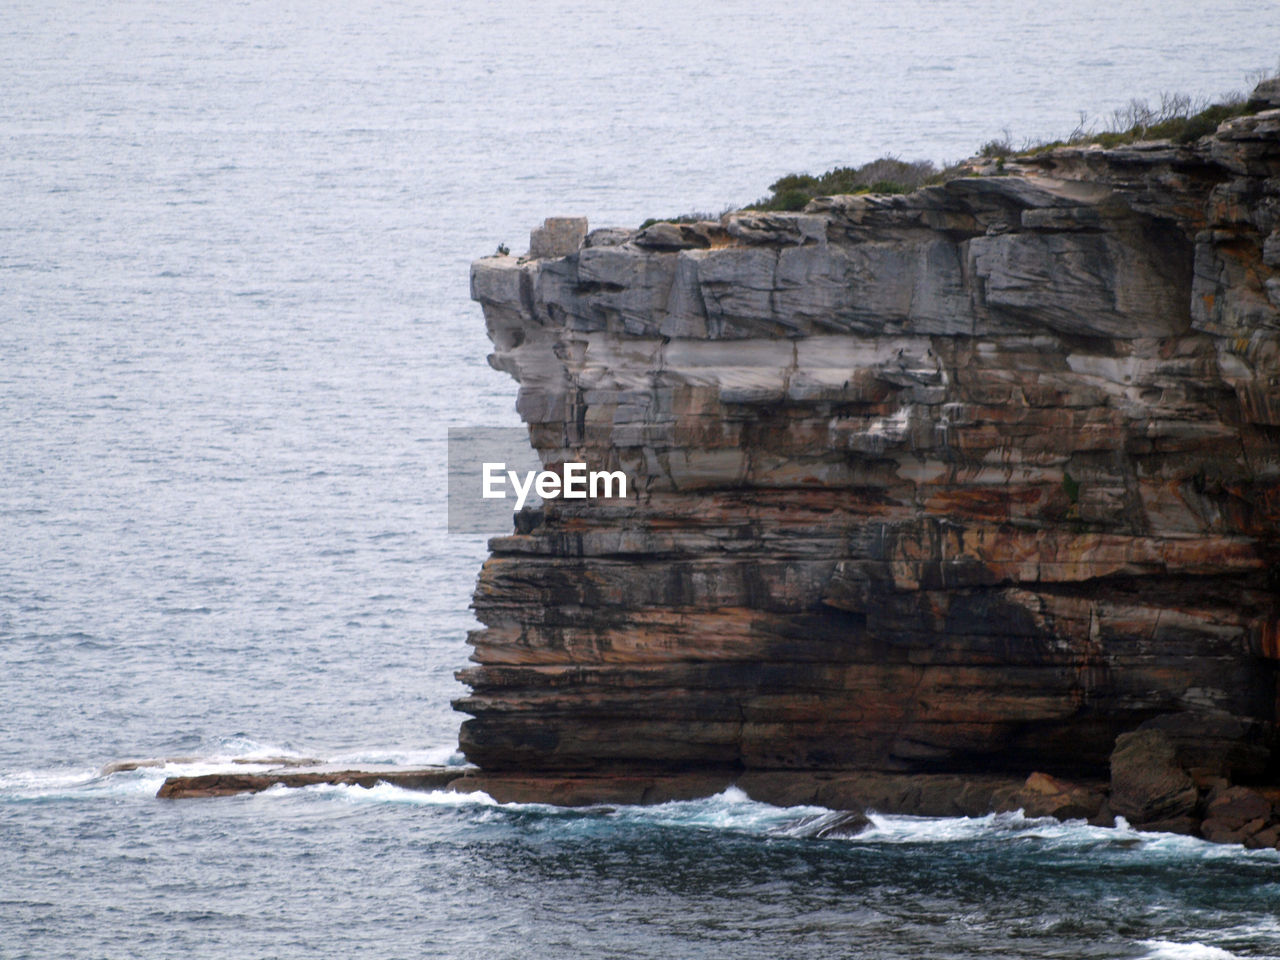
(970, 480)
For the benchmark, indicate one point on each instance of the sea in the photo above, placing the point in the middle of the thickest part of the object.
(234, 332)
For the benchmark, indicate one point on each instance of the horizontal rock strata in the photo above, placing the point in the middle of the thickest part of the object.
(968, 481)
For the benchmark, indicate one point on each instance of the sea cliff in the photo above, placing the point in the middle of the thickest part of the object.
(964, 483)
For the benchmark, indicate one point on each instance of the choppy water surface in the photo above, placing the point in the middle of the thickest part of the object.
(234, 329)
(328, 870)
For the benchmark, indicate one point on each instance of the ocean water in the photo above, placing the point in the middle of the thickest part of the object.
(234, 330)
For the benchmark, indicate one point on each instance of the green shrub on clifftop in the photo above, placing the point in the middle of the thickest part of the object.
(885, 175)
(1177, 117)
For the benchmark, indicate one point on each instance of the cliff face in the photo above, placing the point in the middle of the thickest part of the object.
(973, 479)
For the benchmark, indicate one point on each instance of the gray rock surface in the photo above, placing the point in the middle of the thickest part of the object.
(557, 237)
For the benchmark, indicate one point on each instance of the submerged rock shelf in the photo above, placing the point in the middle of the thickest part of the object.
(969, 481)
(230, 784)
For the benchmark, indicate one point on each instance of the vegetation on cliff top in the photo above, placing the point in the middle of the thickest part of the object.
(1176, 117)
(884, 175)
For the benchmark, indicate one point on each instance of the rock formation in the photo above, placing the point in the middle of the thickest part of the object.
(1147, 784)
(230, 784)
(967, 481)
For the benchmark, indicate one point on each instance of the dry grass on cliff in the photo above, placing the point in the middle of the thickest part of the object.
(1173, 116)
(1177, 117)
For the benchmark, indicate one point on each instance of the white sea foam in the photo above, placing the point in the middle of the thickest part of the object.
(30, 784)
(242, 745)
(389, 793)
(732, 811)
(1169, 950)
(402, 756)
(143, 776)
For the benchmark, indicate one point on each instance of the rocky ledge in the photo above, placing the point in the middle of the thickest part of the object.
(294, 775)
(966, 482)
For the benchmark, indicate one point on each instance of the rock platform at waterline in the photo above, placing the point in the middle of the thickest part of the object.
(1147, 786)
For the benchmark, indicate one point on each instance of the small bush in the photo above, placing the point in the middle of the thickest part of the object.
(889, 186)
(1175, 117)
(884, 175)
(794, 181)
(794, 199)
(996, 148)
